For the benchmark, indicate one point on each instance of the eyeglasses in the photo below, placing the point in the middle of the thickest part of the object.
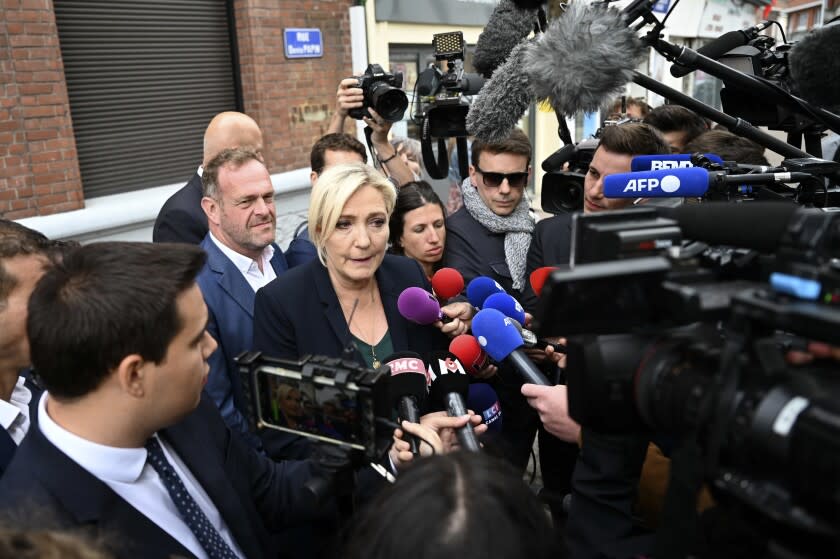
(494, 180)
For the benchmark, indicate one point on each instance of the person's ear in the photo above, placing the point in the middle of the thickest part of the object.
(211, 209)
(132, 375)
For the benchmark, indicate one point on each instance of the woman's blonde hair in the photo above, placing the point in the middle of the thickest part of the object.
(329, 195)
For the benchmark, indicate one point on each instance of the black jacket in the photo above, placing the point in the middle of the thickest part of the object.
(181, 219)
(550, 246)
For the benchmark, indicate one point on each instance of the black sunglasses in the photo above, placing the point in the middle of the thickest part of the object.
(494, 180)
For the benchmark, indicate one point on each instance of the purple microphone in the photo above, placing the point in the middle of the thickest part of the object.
(418, 305)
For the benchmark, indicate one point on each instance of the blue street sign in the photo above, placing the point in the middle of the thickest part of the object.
(303, 43)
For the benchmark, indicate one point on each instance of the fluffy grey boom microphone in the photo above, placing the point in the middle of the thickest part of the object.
(507, 26)
(815, 65)
(503, 99)
(584, 59)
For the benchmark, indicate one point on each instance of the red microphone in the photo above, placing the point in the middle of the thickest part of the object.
(447, 283)
(539, 277)
(469, 353)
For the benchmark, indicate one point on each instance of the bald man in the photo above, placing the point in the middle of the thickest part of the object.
(181, 219)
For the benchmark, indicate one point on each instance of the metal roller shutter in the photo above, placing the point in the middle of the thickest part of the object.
(144, 78)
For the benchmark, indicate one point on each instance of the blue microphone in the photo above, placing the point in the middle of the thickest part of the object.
(670, 183)
(507, 305)
(499, 337)
(480, 288)
(483, 400)
(667, 161)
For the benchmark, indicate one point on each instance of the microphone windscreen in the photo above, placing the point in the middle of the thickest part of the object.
(483, 400)
(447, 375)
(670, 183)
(671, 161)
(496, 333)
(584, 59)
(418, 305)
(814, 67)
(756, 225)
(447, 283)
(405, 362)
(507, 26)
(503, 100)
(539, 277)
(469, 353)
(408, 384)
(480, 288)
(507, 305)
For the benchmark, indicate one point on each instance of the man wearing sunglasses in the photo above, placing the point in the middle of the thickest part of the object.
(490, 234)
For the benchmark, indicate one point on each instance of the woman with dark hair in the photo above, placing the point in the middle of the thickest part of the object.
(417, 226)
(455, 505)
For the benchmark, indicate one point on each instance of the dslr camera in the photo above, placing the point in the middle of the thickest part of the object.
(383, 92)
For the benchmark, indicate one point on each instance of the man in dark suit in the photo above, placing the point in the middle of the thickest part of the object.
(181, 219)
(241, 258)
(24, 256)
(124, 443)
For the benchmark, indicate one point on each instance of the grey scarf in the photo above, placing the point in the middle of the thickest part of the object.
(517, 227)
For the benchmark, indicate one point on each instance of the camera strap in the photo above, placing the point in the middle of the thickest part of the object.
(437, 169)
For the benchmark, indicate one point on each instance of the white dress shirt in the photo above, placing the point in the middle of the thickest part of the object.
(129, 475)
(249, 268)
(14, 414)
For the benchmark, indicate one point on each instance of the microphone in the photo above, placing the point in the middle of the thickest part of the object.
(450, 387)
(407, 388)
(428, 81)
(506, 305)
(669, 183)
(447, 283)
(480, 288)
(469, 353)
(484, 400)
(419, 306)
(814, 66)
(539, 277)
(585, 58)
(757, 225)
(670, 161)
(723, 44)
(507, 26)
(503, 100)
(497, 334)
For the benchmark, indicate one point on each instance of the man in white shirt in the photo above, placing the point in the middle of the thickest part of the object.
(241, 258)
(125, 443)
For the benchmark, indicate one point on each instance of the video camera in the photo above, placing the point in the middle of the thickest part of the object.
(441, 104)
(660, 338)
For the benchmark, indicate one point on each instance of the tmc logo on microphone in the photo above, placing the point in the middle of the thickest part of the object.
(668, 184)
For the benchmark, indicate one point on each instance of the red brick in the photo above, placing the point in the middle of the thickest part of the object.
(35, 88)
(42, 134)
(19, 214)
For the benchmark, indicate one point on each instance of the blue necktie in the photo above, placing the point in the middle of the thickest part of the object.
(191, 513)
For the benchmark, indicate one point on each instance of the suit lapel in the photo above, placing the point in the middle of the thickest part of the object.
(396, 323)
(92, 502)
(229, 277)
(329, 301)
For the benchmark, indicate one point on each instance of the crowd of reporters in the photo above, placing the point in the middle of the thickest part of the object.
(106, 350)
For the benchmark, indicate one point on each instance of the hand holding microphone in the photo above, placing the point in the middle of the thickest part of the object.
(499, 337)
(552, 405)
(421, 307)
(437, 433)
(474, 359)
(407, 387)
(449, 389)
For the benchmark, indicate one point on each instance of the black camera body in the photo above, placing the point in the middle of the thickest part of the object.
(662, 342)
(562, 186)
(383, 92)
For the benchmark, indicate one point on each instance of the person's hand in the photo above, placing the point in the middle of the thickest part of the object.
(381, 128)
(487, 372)
(814, 350)
(438, 429)
(551, 403)
(349, 96)
(548, 354)
(461, 314)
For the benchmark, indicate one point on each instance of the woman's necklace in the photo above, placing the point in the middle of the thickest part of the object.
(375, 363)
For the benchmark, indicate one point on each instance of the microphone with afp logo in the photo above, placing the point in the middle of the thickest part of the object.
(667, 183)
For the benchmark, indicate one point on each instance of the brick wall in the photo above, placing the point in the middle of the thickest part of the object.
(292, 100)
(39, 170)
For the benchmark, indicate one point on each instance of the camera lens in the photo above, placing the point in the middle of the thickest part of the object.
(388, 101)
